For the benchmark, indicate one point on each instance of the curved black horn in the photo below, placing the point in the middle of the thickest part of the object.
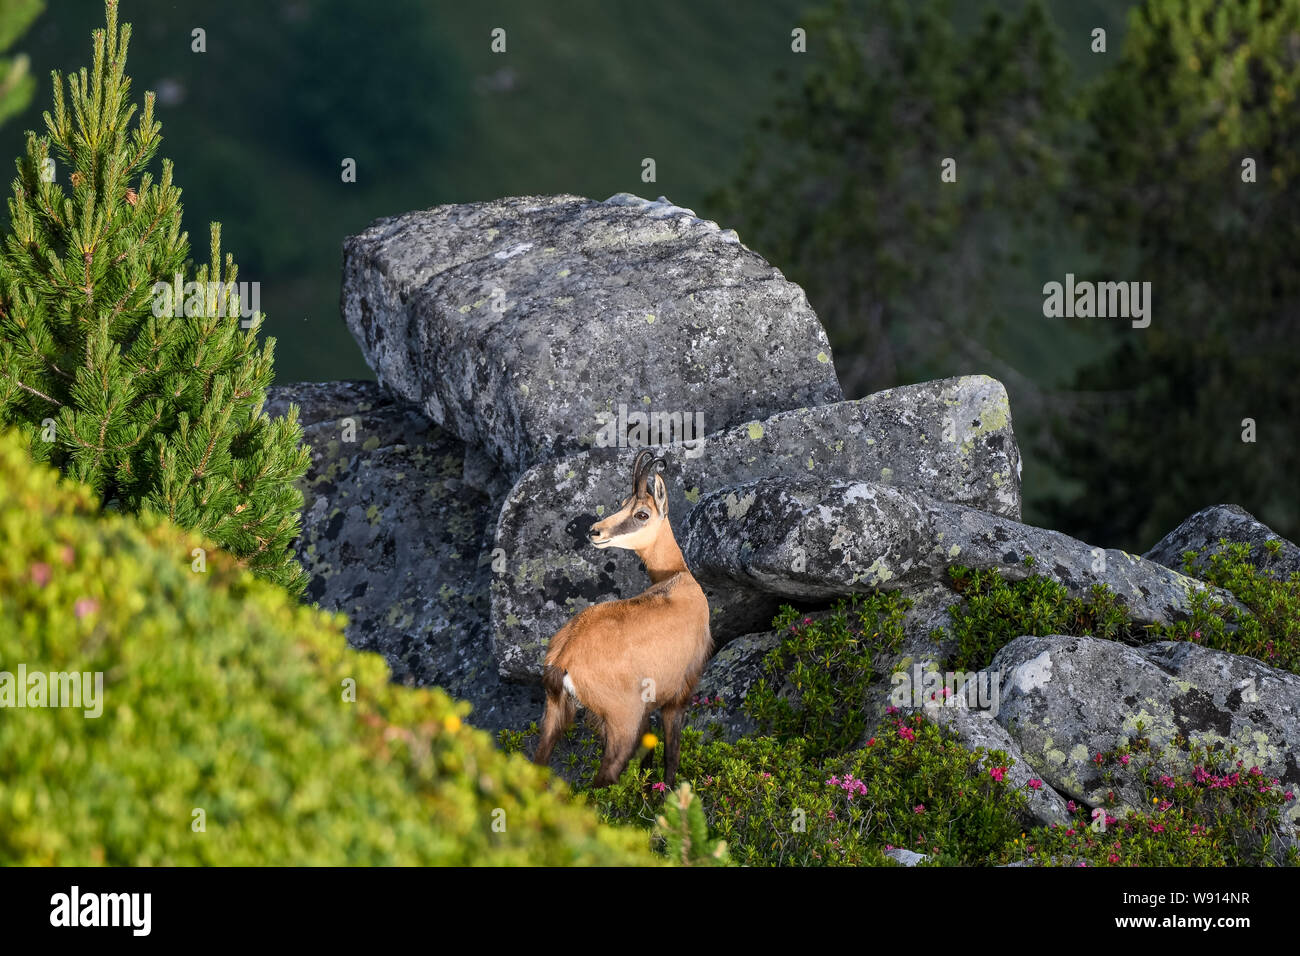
(640, 465)
(655, 467)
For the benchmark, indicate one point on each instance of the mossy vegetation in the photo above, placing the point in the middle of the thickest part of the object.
(997, 611)
(237, 727)
(828, 662)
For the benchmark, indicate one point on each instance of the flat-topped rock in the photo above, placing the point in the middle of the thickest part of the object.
(534, 326)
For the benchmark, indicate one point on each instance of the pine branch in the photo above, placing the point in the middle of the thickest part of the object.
(36, 392)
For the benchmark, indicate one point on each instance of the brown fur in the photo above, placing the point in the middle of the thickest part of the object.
(608, 650)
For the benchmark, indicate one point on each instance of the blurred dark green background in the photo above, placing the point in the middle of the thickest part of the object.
(259, 124)
(825, 162)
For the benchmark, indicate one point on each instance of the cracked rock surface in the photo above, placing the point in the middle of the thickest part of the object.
(520, 325)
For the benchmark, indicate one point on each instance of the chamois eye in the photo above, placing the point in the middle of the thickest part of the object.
(642, 516)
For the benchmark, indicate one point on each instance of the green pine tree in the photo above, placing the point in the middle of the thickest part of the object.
(151, 409)
(686, 832)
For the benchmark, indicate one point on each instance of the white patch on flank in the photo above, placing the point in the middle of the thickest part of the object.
(568, 685)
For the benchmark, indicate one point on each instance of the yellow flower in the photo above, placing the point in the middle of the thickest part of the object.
(649, 741)
(451, 722)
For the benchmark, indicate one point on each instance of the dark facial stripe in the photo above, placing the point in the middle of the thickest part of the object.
(629, 524)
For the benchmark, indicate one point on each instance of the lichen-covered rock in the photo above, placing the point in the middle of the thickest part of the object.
(951, 439)
(1208, 526)
(393, 537)
(814, 538)
(1066, 699)
(524, 325)
(726, 682)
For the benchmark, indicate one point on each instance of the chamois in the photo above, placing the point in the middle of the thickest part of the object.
(624, 659)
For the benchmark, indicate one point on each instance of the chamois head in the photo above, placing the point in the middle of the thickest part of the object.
(638, 521)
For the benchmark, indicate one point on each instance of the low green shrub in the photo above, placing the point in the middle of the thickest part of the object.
(237, 727)
(1269, 631)
(830, 661)
(1222, 814)
(997, 611)
(913, 786)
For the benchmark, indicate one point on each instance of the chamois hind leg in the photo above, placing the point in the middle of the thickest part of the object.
(620, 743)
(673, 715)
(560, 710)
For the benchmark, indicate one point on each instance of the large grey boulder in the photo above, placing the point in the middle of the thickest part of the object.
(531, 327)
(817, 538)
(1209, 526)
(1066, 699)
(950, 438)
(394, 537)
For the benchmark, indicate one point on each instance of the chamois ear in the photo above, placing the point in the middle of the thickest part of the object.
(660, 489)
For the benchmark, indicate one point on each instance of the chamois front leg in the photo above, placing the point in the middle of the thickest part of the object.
(673, 717)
